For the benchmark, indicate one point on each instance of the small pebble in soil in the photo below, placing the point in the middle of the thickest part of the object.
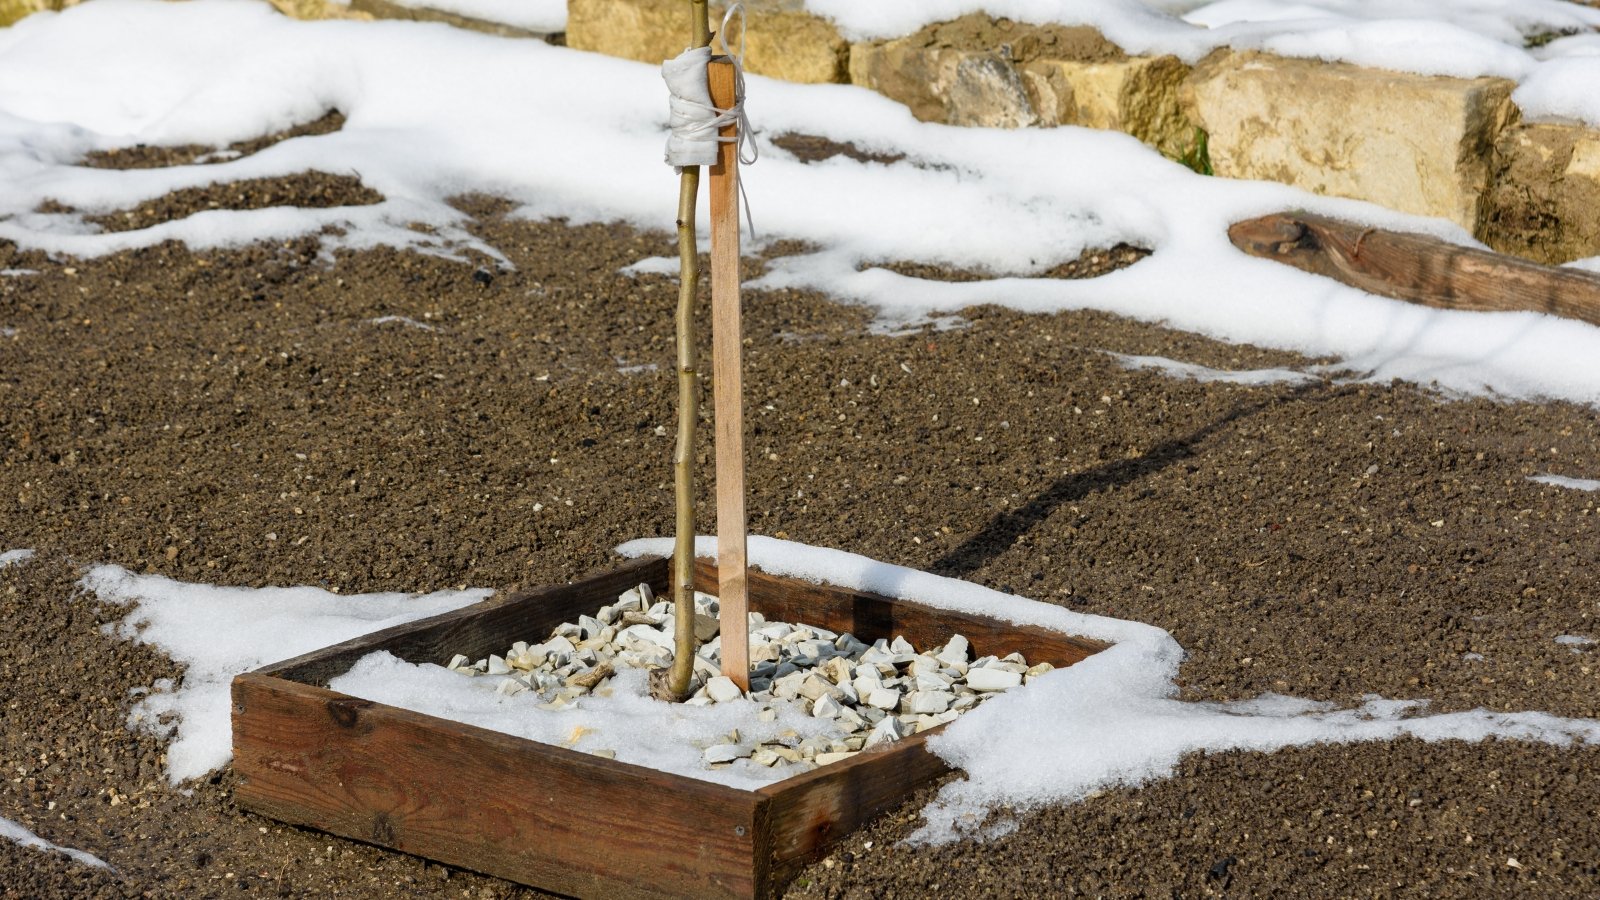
(874, 694)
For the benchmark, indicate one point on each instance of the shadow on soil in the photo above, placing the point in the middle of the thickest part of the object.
(1005, 529)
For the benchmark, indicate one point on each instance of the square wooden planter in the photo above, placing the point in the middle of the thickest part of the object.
(562, 820)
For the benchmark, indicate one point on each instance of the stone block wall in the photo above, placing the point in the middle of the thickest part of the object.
(1136, 94)
(997, 73)
(1419, 144)
(782, 40)
(1448, 147)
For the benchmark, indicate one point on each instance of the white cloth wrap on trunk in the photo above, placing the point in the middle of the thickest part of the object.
(693, 119)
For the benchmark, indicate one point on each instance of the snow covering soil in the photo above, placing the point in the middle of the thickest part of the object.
(219, 632)
(993, 201)
(1178, 369)
(1566, 481)
(14, 831)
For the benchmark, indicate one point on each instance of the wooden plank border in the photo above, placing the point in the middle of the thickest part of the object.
(559, 819)
(533, 813)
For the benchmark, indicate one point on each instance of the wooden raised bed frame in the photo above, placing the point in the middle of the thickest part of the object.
(559, 819)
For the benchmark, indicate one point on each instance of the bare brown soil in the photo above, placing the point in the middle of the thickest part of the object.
(237, 417)
(147, 156)
(316, 190)
(1092, 264)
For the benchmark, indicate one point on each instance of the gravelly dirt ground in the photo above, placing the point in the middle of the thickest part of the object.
(239, 418)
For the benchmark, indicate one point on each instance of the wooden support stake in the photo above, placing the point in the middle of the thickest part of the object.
(1419, 268)
(727, 340)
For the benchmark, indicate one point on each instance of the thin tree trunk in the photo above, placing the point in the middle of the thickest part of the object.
(684, 645)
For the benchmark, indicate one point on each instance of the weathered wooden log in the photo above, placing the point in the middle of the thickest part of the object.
(1419, 268)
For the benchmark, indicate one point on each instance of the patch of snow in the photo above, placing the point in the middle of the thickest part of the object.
(218, 156)
(903, 326)
(1575, 641)
(220, 632)
(402, 320)
(1465, 39)
(639, 729)
(15, 557)
(1563, 86)
(17, 273)
(119, 72)
(1194, 372)
(14, 831)
(652, 265)
(639, 369)
(794, 337)
(1111, 719)
(1473, 657)
(1578, 484)
(544, 16)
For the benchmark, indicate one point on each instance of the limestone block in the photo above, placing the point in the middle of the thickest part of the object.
(976, 70)
(1416, 143)
(1051, 92)
(786, 42)
(11, 11)
(319, 9)
(1137, 95)
(1585, 162)
(645, 30)
(1545, 204)
(783, 40)
(943, 84)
